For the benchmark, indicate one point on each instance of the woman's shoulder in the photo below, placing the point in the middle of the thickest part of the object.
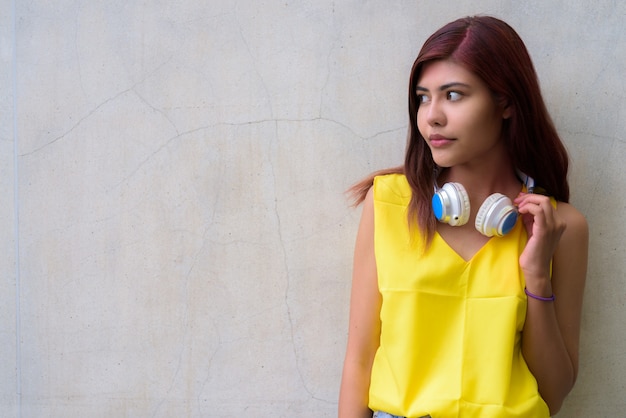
(574, 219)
(575, 239)
(392, 188)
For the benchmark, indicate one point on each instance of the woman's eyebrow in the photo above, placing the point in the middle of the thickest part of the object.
(444, 87)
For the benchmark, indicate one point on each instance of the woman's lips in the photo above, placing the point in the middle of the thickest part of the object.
(438, 141)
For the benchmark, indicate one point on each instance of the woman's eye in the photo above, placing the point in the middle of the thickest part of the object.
(454, 96)
(421, 99)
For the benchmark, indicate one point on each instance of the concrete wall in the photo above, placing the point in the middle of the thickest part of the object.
(175, 238)
(8, 222)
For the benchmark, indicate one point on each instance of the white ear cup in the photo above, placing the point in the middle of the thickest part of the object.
(451, 204)
(496, 216)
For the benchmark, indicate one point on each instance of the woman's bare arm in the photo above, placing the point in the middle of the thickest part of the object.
(364, 325)
(551, 333)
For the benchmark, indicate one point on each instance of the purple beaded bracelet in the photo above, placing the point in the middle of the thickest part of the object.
(541, 298)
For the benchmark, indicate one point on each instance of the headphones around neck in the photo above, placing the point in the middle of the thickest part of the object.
(496, 216)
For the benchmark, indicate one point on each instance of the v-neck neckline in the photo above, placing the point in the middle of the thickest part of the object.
(456, 253)
(482, 247)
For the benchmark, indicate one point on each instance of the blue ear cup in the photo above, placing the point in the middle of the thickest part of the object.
(496, 216)
(451, 204)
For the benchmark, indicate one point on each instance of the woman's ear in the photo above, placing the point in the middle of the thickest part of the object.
(507, 112)
(504, 103)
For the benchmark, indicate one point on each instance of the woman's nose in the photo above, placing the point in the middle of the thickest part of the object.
(435, 115)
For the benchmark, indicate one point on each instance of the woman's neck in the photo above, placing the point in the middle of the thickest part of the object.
(480, 182)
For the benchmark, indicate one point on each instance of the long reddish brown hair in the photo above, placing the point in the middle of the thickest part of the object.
(491, 49)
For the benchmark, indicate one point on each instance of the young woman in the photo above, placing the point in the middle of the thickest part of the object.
(469, 265)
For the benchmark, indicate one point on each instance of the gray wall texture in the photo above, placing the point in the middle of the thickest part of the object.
(175, 236)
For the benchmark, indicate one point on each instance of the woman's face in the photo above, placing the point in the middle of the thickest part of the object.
(458, 115)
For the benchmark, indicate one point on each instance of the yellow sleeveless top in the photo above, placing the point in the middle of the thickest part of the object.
(450, 343)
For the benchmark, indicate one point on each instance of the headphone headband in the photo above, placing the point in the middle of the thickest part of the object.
(528, 181)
